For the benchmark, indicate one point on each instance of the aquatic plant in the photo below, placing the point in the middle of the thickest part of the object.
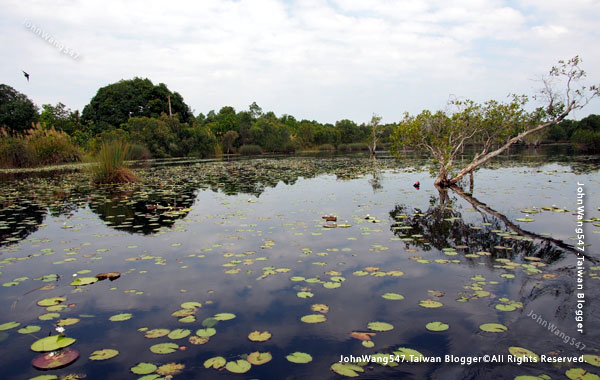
(110, 163)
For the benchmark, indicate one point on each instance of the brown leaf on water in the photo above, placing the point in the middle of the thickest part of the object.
(364, 336)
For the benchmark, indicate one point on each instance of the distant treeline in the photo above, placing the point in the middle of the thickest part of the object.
(158, 123)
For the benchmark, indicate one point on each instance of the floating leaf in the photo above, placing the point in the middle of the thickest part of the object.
(320, 308)
(198, 340)
(188, 319)
(380, 326)
(191, 305)
(53, 360)
(523, 353)
(216, 362)
(120, 317)
(493, 327)
(209, 322)
(8, 325)
(503, 307)
(81, 281)
(224, 316)
(257, 336)
(437, 326)
(580, 374)
(156, 333)
(368, 343)
(108, 275)
(104, 354)
(29, 329)
(67, 321)
(51, 301)
(143, 368)
(238, 366)
(45, 377)
(592, 359)
(409, 354)
(305, 294)
(48, 316)
(430, 304)
(258, 358)
(346, 369)
(170, 369)
(299, 357)
(393, 296)
(179, 333)
(364, 336)
(206, 333)
(164, 348)
(313, 318)
(52, 343)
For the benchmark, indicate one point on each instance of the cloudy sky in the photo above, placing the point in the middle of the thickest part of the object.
(322, 60)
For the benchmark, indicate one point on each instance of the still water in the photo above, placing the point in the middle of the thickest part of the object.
(210, 252)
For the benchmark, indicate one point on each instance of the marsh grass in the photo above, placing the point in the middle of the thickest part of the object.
(110, 163)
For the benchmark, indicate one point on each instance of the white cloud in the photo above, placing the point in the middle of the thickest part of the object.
(313, 59)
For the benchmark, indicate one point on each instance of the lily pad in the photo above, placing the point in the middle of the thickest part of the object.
(216, 362)
(51, 343)
(523, 353)
(581, 374)
(120, 317)
(258, 358)
(437, 326)
(380, 326)
(52, 301)
(368, 343)
(313, 318)
(346, 369)
(592, 359)
(191, 305)
(238, 366)
(67, 321)
(409, 354)
(104, 354)
(29, 329)
(430, 304)
(164, 348)
(320, 308)
(305, 294)
(393, 296)
(143, 368)
(52, 360)
(224, 316)
(45, 377)
(170, 369)
(82, 281)
(257, 336)
(206, 333)
(156, 333)
(299, 357)
(493, 327)
(8, 325)
(179, 333)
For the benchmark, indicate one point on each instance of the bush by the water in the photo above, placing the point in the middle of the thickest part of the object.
(353, 147)
(38, 146)
(326, 147)
(110, 163)
(250, 150)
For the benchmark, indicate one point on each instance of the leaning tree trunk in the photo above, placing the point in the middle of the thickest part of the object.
(478, 161)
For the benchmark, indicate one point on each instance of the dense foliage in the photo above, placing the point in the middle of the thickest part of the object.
(17, 111)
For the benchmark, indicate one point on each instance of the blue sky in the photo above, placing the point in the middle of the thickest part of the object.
(321, 60)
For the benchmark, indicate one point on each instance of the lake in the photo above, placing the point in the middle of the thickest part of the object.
(231, 265)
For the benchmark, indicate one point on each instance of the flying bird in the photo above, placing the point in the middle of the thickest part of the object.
(26, 75)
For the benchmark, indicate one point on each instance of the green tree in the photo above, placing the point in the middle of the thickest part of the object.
(61, 118)
(114, 104)
(349, 131)
(17, 111)
(228, 140)
(493, 126)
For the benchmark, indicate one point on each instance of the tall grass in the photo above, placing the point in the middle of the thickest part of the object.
(110, 163)
(38, 146)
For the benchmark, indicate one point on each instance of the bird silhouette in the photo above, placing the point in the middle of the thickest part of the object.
(26, 75)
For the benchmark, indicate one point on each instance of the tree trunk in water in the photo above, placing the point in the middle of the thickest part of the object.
(471, 182)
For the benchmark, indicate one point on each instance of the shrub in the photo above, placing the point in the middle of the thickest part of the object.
(138, 152)
(326, 147)
(249, 150)
(50, 146)
(110, 167)
(14, 152)
(357, 146)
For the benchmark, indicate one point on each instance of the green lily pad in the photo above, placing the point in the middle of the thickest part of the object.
(143, 368)
(346, 369)
(8, 325)
(188, 319)
(257, 336)
(313, 318)
(581, 374)
(156, 333)
(430, 304)
(164, 348)
(48, 316)
(503, 307)
(224, 316)
(493, 327)
(52, 301)
(191, 305)
(120, 317)
(216, 362)
(305, 294)
(523, 353)
(29, 329)
(437, 326)
(238, 366)
(209, 322)
(299, 357)
(45, 377)
(104, 354)
(393, 296)
(592, 359)
(67, 321)
(179, 333)
(380, 326)
(409, 353)
(368, 343)
(51, 343)
(81, 281)
(206, 333)
(258, 358)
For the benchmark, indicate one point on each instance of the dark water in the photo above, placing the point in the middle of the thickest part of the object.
(231, 235)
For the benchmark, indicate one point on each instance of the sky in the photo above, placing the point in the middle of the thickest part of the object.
(323, 60)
